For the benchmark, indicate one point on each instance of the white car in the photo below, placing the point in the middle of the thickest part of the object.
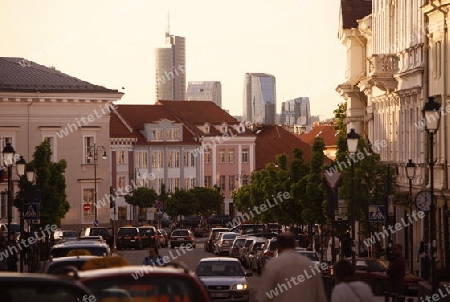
(224, 243)
(224, 278)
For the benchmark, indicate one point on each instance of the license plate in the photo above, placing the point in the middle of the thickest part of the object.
(127, 237)
(132, 240)
(220, 295)
(180, 239)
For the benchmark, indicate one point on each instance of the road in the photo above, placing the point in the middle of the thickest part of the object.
(191, 258)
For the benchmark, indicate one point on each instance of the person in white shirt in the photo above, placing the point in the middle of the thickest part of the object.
(347, 289)
(337, 248)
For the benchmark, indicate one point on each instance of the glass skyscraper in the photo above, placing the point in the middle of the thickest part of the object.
(259, 98)
(205, 91)
(296, 112)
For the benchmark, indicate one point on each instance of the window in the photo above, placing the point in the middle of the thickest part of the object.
(4, 141)
(186, 158)
(223, 129)
(189, 159)
(177, 159)
(3, 205)
(244, 180)
(88, 149)
(231, 155)
(208, 181)
(51, 142)
(231, 182)
(121, 182)
(122, 213)
(88, 197)
(173, 134)
(170, 162)
(141, 159)
(222, 182)
(170, 187)
(157, 159)
(192, 163)
(245, 155)
(221, 155)
(187, 183)
(157, 135)
(121, 156)
(207, 156)
(177, 182)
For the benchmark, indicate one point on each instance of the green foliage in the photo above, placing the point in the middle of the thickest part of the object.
(142, 197)
(210, 200)
(181, 202)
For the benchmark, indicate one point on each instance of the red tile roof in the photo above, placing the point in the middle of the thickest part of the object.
(326, 132)
(353, 10)
(21, 75)
(197, 113)
(136, 116)
(273, 140)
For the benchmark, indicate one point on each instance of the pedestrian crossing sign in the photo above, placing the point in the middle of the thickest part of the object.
(377, 213)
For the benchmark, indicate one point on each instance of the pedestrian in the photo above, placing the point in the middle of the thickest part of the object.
(153, 258)
(290, 276)
(396, 270)
(347, 289)
(336, 249)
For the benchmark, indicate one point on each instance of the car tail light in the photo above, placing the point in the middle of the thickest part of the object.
(268, 254)
(136, 237)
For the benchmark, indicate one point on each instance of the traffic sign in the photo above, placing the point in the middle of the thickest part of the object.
(333, 178)
(31, 211)
(377, 213)
(86, 207)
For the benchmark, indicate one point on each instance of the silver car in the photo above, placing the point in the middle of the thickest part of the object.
(224, 278)
(224, 243)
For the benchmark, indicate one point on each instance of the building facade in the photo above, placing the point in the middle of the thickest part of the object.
(205, 91)
(39, 103)
(396, 54)
(296, 112)
(170, 64)
(259, 98)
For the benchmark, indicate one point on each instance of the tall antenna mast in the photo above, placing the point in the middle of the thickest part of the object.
(168, 25)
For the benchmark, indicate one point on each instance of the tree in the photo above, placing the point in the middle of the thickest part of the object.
(210, 200)
(181, 202)
(142, 197)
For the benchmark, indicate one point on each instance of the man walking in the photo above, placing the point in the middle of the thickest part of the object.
(396, 270)
(290, 276)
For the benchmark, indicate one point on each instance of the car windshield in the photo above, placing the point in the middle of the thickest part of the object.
(239, 242)
(69, 234)
(229, 236)
(146, 231)
(151, 288)
(257, 245)
(127, 232)
(219, 268)
(180, 233)
(311, 255)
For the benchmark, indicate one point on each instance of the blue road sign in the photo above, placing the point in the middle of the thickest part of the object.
(377, 213)
(31, 211)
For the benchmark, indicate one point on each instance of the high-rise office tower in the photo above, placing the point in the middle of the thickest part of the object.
(259, 98)
(296, 112)
(205, 91)
(170, 63)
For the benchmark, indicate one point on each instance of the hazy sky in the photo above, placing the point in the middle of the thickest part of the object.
(112, 42)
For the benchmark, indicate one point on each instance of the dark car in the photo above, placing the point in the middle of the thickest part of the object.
(166, 222)
(144, 283)
(182, 237)
(221, 220)
(40, 287)
(128, 237)
(149, 236)
(193, 222)
(98, 231)
(209, 243)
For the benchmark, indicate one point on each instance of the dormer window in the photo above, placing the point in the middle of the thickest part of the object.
(206, 128)
(223, 129)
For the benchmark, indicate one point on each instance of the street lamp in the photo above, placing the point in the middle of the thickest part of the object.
(93, 154)
(431, 112)
(410, 169)
(8, 159)
(352, 146)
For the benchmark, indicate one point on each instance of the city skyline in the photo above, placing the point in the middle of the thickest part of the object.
(112, 43)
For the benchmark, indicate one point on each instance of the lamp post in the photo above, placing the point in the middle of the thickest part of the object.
(431, 112)
(410, 169)
(352, 146)
(93, 154)
(8, 159)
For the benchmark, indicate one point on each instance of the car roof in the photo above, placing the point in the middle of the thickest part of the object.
(220, 259)
(73, 258)
(129, 270)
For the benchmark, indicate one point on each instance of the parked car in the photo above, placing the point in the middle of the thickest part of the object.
(163, 238)
(311, 255)
(224, 278)
(98, 231)
(139, 283)
(250, 256)
(65, 235)
(224, 242)
(209, 242)
(192, 221)
(149, 235)
(41, 287)
(181, 237)
(244, 250)
(128, 237)
(236, 246)
(166, 222)
(266, 253)
(220, 220)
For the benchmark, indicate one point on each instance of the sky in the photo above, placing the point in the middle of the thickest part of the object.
(112, 43)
